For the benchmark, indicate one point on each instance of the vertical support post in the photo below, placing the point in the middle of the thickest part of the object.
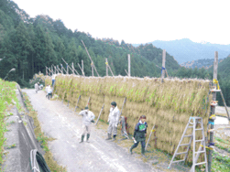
(106, 62)
(213, 108)
(163, 65)
(82, 67)
(73, 68)
(67, 69)
(129, 65)
(92, 71)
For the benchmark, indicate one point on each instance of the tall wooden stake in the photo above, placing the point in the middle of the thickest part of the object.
(92, 64)
(92, 71)
(82, 67)
(163, 65)
(129, 65)
(106, 62)
(213, 108)
(73, 68)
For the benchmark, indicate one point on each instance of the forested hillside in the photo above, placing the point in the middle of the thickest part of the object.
(201, 63)
(29, 44)
(184, 50)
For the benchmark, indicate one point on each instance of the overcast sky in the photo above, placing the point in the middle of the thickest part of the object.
(140, 21)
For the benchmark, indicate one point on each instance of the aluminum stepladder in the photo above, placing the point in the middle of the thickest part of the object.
(192, 136)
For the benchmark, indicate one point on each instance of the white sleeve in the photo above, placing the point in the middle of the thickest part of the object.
(82, 113)
(92, 116)
(118, 115)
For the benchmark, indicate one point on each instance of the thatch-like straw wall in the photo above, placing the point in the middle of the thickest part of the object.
(167, 105)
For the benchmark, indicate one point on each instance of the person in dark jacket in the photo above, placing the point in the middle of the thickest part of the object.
(140, 134)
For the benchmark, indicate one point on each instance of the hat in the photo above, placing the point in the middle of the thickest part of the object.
(143, 117)
(86, 107)
(114, 103)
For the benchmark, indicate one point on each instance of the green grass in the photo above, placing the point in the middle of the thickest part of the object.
(220, 163)
(7, 97)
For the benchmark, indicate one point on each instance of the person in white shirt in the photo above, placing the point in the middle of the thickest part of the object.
(48, 90)
(88, 117)
(113, 120)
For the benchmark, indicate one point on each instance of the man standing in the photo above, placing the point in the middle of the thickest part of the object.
(88, 117)
(113, 120)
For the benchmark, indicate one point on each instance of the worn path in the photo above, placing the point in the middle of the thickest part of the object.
(60, 122)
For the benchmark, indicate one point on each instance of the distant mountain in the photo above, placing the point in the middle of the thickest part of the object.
(201, 63)
(185, 50)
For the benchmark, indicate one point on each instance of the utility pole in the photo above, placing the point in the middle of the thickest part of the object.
(163, 65)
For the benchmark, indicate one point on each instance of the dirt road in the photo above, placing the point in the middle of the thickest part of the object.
(62, 123)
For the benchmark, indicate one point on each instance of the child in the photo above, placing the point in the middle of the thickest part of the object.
(48, 91)
(88, 117)
(140, 134)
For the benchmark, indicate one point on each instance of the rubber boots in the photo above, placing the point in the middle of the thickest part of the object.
(82, 138)
(109, 137)
(88, 135)
(143, 151)
(131, 149)
(114, 137)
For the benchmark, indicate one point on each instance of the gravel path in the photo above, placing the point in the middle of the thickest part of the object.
(60, 122)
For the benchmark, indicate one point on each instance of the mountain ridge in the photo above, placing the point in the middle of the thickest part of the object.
(185, 50)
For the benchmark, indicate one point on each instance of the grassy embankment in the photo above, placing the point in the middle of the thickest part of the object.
(8, 98)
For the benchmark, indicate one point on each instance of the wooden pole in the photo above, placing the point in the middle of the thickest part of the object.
(129, 65)
(100, 113)
(82, 66)
(213, 108)
(163, 65)
(67, 68)
(106, 62)
(110, 69)
(92, 71)
(126, 72)
(224, 103)
(93, 66)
